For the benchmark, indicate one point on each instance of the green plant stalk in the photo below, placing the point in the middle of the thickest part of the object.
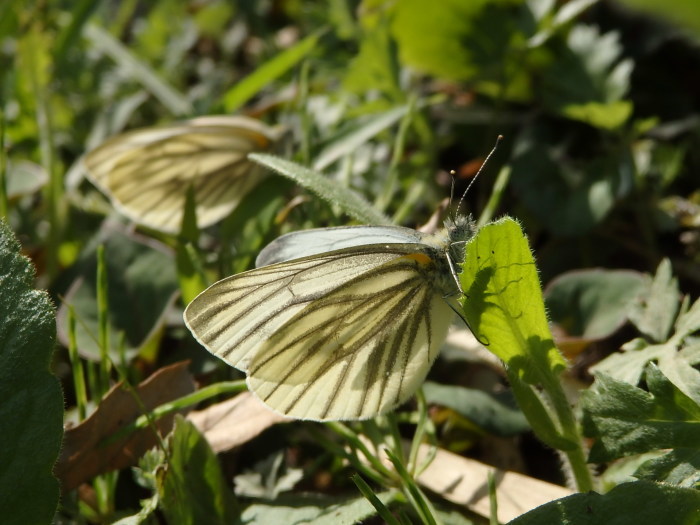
(203, 394)
(368, 493)
(352, 458)
(570, 429)
(103, 320)
(305, 118)
(395, 436)
(105, 485)
(357, 443)
(385, 198)
(54, 189)
(413, 493)
(421, 430)
(4, 203)
(493, 500)
(76, 367)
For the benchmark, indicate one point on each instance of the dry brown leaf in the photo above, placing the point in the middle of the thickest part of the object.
(82, 457)
(465, 482)
(235, 421)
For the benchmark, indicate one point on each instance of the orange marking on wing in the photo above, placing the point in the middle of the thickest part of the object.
(420, 258)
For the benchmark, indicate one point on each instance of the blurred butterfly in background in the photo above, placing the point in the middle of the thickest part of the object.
(146, 172)
(336, 323)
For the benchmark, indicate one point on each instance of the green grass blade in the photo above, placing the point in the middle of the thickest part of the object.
(176, 103)
(271, 70)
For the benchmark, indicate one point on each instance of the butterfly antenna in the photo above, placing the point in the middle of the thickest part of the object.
(452, 194)
(481, 168)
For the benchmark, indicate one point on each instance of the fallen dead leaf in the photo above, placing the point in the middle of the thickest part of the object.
(465, 482)
(234, 422)
(82, 457)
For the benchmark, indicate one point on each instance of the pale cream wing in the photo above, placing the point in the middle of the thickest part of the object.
(234, 317)
(359, 350)
(147, 172)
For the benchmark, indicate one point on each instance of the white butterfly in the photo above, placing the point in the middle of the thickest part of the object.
(336, 323)
(147, 172)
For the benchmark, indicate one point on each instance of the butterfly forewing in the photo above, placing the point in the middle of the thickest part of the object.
(343, 335)
(234, 317)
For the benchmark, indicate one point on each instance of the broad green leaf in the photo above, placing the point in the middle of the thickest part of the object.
(593, 303)
(504, 303)
(271, 70)
(587, 81)
(683, 12)
(641, 503)
(485, 410)
(376, 65)
(192, 489)
(31, 404)
(678, 366)
(569, 195)
(482, 41)
(319, 510)
(267, 479)
(627, 420)
(680, 467)
(142, 284)
(657, 309)
(504, 307)
(348, 200)
(629, 364)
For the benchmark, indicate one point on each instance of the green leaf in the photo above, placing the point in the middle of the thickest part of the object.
(31, 404)
(683, 12)
(504, 303)
(657, 309)
(192, 488)
(483, 41)
(485, 410)
(348, 200)
(587, 81)
(677, 366)
(142, 284)
(568, 194)
(376, 65)
(504, 308)
(680, 467)
(641, 503)
(319, 510)
(593, 304)
(628, 420)
(266, 479)
(271, 70)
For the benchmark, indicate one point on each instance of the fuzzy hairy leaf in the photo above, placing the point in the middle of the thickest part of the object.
(31, 403)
